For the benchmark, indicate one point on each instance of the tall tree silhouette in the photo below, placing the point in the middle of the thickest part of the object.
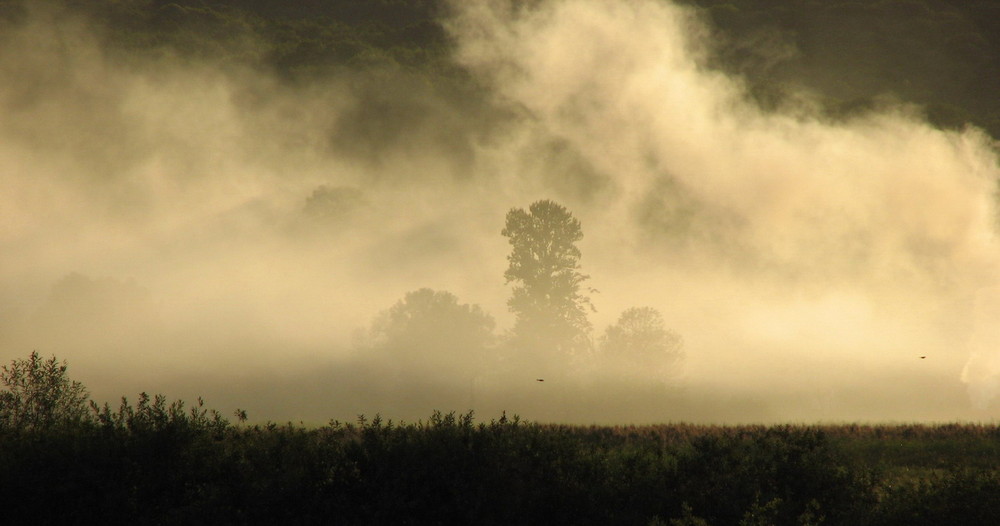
(550, 310)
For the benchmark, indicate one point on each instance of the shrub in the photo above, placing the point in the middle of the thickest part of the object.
(38, 395)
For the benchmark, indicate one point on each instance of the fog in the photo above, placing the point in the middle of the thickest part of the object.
(201, 228)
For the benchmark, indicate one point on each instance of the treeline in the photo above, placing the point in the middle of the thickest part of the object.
(943, 55)
(154, 462)
(940, 54)
(296, 39)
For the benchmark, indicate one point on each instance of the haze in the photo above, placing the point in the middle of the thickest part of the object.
(196, 229)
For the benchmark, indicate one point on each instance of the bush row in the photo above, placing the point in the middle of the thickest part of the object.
(154, 463)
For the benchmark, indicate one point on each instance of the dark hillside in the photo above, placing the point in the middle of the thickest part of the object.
(943, 55)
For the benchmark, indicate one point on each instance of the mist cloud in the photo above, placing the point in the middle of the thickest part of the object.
(807, 262)
(846, 246)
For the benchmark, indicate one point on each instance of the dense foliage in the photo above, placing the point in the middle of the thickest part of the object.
(154, 463)
(37, 395)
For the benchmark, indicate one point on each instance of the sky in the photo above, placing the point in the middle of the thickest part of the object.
(176, 227)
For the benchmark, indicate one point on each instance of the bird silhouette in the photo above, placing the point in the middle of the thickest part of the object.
(922, 357)
(539, 379)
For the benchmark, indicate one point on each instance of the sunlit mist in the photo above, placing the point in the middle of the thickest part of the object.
(200, 228)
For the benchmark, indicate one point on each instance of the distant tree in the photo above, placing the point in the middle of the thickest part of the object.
(37, 394)
(549, 308)
(431, 326)
(639, 340)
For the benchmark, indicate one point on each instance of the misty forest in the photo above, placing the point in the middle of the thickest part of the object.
(678, 262)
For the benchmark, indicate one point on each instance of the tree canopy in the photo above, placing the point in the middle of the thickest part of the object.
(428, 324)
(640, 340)
(549, 308)
(38, 395)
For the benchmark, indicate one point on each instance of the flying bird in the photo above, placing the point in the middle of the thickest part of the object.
(922, 357)
(539, 379)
